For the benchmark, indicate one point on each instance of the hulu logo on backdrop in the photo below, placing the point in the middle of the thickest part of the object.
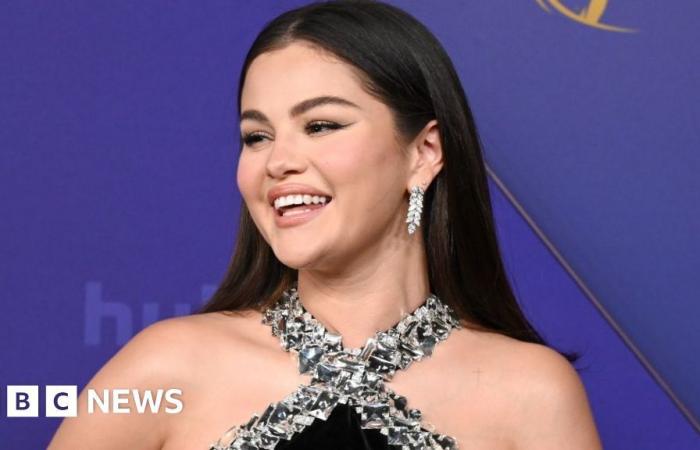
(101, 313)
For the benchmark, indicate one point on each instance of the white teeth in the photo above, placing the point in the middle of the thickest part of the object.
(299, 199)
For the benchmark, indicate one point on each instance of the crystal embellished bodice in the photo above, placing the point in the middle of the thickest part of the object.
(347, 383)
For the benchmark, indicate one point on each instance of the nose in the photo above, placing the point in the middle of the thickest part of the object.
(284, 157)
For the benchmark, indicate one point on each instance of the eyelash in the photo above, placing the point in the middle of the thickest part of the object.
(250, 138)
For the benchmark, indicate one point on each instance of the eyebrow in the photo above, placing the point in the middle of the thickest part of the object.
(299, 108)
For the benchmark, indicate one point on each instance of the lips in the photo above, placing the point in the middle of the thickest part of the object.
(299, 218)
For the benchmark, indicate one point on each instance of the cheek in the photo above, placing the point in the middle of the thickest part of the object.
(247, 178)
(250, 178)
(367, 175)
(363, 159)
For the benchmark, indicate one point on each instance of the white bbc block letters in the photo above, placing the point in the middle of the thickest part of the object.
(23, 401)
(61, 401)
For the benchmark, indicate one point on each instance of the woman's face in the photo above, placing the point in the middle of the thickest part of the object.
(348, 152)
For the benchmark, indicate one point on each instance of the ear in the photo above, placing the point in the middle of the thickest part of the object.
(427, 156)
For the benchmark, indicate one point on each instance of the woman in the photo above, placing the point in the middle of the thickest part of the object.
(366, 305)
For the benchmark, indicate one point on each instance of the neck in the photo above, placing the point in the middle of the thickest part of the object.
(368, 295)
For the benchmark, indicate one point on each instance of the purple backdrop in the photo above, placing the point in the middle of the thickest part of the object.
(119, 202)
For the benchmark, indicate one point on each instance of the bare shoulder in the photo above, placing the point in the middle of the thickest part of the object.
(549, 402)
(525, 366)
(169, 353)
(225, 327)
(171, 349)
(184, 348)
(500, 392)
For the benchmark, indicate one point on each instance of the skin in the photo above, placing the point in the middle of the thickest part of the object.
(359, 272)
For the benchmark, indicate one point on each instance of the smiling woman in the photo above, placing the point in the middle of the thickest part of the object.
(355, 132)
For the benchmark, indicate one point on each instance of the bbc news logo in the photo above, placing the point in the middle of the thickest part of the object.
(62, 401)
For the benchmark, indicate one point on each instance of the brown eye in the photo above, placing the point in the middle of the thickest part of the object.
(315, 127)
(252, 138)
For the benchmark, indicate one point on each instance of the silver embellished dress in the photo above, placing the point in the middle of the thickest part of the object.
(346, 405)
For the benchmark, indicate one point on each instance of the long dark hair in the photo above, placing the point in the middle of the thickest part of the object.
(405, 67)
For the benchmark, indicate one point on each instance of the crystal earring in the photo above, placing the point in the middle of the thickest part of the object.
(415, 207)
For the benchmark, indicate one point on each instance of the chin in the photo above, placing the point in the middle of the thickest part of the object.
(296, 258)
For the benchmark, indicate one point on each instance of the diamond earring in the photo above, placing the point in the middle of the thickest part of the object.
(415, 207)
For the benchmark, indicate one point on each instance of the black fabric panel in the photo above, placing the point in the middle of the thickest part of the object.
(341, 431)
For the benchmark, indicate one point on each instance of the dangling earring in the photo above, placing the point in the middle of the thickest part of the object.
(415, 207)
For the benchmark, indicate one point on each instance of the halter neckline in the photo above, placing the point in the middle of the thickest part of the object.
(354, 378)
(410, 339)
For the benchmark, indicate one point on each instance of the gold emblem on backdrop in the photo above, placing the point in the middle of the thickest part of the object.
(590, 15)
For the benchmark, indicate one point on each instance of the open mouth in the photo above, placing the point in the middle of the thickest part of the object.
(293, 210)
